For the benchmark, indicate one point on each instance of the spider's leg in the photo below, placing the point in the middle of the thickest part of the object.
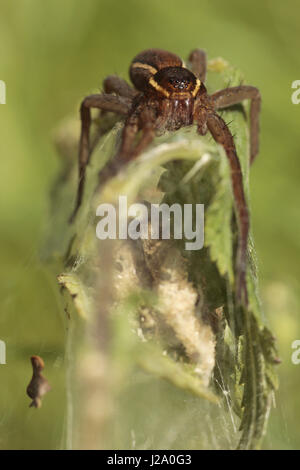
(116, 104)
(222, 135)
(115, 84)
(148, 134)
(197, 59)
(124, 154)
(130, 130)
(144, 119)
(140, 119)
(230, 96)
(148, 123)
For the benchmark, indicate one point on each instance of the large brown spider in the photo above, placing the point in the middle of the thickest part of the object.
(166, 97)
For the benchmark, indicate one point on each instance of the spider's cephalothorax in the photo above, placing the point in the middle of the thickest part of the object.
(168, 95)
(167, 86)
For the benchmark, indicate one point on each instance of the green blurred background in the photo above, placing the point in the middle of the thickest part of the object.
(52, 54)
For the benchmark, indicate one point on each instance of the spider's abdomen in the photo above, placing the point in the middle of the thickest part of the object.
(148, 63)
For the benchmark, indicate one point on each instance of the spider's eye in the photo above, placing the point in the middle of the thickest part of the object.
(178, 83)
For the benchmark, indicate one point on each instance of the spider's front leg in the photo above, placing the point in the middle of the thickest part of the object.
(118, 86)
(124, 154)
(115, 84)
(230, 96)
(197, 59)
(141, 119)
(222, 135)
(106, 102)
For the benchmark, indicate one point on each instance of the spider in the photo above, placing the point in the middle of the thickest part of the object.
(167, 96)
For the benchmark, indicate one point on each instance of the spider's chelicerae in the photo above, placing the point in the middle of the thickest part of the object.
(167, 96)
